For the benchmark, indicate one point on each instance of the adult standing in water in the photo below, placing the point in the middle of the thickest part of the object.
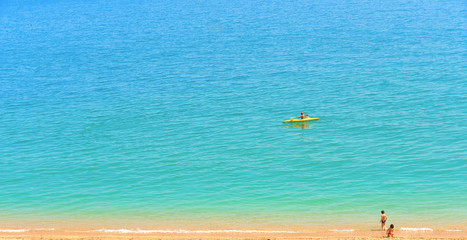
(383, 220)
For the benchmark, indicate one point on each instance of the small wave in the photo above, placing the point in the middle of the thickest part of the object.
(417, 229)
(453, 230)
(13, 230)
(342, 230)
(187, 231)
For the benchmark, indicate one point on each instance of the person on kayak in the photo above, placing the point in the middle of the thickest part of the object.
(302, 116)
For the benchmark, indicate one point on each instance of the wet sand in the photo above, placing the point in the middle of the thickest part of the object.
(321, 233)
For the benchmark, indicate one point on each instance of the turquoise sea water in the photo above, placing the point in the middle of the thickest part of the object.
(170, 112)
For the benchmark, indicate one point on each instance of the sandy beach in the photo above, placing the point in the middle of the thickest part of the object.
(322, 233)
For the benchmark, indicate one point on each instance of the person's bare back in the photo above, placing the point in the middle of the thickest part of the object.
(383, 220)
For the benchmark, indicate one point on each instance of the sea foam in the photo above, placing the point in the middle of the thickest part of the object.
(123, 231)
(417, 229)
(13, 230)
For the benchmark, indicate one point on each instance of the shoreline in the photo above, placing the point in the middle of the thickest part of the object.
(338, 232)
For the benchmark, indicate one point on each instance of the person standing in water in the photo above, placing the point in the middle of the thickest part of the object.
(383, 220)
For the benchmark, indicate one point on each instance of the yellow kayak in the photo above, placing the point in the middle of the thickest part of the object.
(300, 120)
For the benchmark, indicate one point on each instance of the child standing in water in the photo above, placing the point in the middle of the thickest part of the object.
(383, 220)
(390, 231)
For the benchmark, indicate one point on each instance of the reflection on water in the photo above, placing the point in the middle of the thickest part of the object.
(302, 125)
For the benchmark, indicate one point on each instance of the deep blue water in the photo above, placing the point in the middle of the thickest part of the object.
(171, 111)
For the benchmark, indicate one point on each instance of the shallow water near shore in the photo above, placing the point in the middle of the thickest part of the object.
(170, 113)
